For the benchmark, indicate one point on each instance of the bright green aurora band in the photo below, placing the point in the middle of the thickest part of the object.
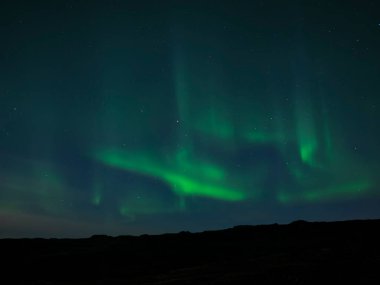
(319, 169)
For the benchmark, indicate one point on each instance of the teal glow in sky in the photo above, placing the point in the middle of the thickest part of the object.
(130, 117)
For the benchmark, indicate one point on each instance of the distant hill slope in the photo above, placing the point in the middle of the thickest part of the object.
(297, 253)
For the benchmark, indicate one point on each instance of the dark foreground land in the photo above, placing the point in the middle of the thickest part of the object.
(298, 253)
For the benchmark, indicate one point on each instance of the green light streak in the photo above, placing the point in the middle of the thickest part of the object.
(195, 179)
(215, 123)
(330, 193)
(187, 163)
(307, 139)
(187, 186)
(308, 147)
(97, 195)
(199, 106)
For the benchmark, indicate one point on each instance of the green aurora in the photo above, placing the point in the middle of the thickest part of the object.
(125, 117)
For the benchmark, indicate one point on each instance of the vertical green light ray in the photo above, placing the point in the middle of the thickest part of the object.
(217, 119)
(306, 128)
(199, 97)
(215, 122)
(184, 148)
(97, 194)
(189, 174)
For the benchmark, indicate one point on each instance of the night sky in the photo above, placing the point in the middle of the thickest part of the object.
(132, 117)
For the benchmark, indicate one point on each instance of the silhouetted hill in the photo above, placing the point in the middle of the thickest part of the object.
(298, 253)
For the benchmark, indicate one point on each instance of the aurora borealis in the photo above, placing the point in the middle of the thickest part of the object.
(130, 117)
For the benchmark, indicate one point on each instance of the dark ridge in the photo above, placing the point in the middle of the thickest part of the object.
(298, 253)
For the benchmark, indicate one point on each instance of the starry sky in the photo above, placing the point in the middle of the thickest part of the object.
(132, 117)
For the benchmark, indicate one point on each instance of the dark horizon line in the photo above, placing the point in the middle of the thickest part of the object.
(183, 232)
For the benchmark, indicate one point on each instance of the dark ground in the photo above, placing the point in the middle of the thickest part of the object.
(298, 253)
